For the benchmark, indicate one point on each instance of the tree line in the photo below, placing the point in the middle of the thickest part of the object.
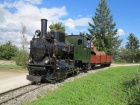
(131, 52)
(8, 51)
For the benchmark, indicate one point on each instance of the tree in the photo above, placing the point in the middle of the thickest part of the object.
(21, 58)
(133, 46)
(22, 55)
(103, 30)
(57, 26)
(23, 37)
(122, 55)
(8, 51)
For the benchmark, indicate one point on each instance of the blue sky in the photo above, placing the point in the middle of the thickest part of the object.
(74, 14)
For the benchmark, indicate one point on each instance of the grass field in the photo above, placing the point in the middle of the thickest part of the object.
(10, 67)
(115, 86)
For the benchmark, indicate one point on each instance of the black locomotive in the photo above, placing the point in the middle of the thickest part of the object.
(50, 57)
(54, 55)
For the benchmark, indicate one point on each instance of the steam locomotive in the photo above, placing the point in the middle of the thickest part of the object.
(54, 55)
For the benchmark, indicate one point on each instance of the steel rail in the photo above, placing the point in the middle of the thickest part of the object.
(18, 95)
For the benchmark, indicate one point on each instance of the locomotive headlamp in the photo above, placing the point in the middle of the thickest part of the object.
(57, 68)
(46, 60)
(30, 60)
(37, 32)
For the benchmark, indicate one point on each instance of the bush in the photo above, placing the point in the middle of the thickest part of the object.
(21, 58)
(8, 51)
(132, 87)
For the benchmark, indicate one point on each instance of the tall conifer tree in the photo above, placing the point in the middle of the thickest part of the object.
(133, 46)
(103, 30)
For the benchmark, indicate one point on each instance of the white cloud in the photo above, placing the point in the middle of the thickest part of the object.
(18, 3)
(78, 22)
(82, 21)
(79, 15)
(26, 12)
(33, 1)
(120, 32)
(70, 23)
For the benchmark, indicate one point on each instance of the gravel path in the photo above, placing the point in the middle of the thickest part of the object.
(4, 74)
(13, 82)
(130, 64)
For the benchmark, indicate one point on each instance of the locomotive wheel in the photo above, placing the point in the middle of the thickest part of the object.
(92, 66)
(36, 82)
(76, 72)
(89, 66)
(86, 66)
(51, 81)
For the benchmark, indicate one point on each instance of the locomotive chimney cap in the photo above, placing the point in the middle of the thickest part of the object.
(43, 19)
(43, 27)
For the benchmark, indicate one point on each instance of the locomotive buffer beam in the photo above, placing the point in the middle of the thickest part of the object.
(34, 78)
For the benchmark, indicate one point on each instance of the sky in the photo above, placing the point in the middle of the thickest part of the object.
(74, 14)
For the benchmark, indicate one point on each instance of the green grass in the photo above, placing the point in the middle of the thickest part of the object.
(115, 86)
(10, 67)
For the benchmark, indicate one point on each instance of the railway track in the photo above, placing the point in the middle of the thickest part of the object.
(18, 92)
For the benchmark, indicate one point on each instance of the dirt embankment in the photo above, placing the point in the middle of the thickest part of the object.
(4, 62)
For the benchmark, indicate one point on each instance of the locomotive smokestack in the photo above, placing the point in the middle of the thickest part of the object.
(43, 27)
